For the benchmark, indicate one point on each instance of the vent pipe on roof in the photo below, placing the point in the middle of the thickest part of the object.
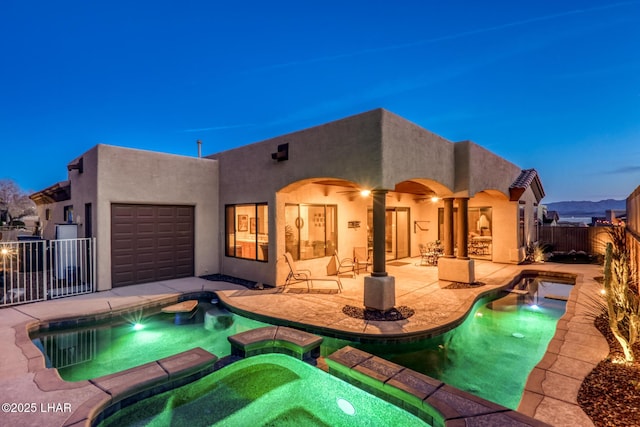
(199, 148)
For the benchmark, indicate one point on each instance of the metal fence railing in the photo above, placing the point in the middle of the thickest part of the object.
(37, 270)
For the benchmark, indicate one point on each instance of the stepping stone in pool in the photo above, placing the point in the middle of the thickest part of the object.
(517, 291)
(184, 311)
(557, 297)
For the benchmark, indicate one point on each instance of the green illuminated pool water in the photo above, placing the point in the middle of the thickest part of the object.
(91, 352)
(493, 351)
(490, 355)
(265, 390)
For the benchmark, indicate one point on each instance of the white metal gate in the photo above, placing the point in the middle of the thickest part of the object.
(37, 270)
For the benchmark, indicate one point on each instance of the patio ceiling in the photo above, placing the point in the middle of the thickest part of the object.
(409, 187)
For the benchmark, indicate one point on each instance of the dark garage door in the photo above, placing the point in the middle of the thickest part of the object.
(150, 243)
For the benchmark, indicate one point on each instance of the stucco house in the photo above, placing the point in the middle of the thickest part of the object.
(373, 180)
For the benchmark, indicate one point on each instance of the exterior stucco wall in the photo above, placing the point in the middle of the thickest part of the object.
(56, 216)
(347, 149)
(510, 249)
(144, 177)
(478, 169)
(83, 187)
(411, 152)
(377, 149)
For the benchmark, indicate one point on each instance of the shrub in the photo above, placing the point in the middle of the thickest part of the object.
(536, 252)
(623, 301)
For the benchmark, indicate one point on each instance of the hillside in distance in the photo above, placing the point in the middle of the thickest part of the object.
(586, 208)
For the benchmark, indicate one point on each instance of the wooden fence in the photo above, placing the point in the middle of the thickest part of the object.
(591, 240)
(633, 243)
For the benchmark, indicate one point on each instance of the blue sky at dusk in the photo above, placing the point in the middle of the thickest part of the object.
(550, 85)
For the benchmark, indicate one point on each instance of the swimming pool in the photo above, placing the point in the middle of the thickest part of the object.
(264, 390)
(134, 339)
(493, 351)
(490, 354)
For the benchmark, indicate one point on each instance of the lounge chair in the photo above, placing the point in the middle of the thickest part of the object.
(305, 275)
(361, 259)
(344, 265)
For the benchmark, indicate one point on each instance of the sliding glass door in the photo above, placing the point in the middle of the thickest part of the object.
(396, 232)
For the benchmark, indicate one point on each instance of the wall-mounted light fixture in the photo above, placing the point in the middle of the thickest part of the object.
(433, 199)
(77, 166)
(282, 153)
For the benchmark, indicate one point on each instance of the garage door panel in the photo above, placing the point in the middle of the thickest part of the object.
(142, 211)
(183, 228)
(121, 245)
(125, 262)
(123, 211)
(124, 279)
(122, 228)
(151, 242)
(163, 260)
(183, 272)
(165, 227)
(145, 228)
(182, 244)
(145, 258)
(145, 276)
(165, 242)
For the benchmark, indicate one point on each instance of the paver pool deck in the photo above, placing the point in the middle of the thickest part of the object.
(550, 394)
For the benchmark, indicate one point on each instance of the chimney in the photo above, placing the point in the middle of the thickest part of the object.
(199, 148)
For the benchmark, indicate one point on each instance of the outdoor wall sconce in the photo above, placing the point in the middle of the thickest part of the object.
(282, 153)
(77, 166)
(420, 225)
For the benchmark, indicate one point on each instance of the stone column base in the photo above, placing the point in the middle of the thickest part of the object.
(456, 270)
(379, 292)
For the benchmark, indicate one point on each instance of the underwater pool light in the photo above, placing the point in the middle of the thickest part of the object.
(346, 406)
(138, 326)
(535, 306)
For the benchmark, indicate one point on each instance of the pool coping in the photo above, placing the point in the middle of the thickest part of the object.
(275, 339)
(428, 398)
(106, 394)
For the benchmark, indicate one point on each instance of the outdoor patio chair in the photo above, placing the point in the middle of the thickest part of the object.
(361, 259)
(429, 254)
(425, 258)
(301, 275)
(344, 265)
